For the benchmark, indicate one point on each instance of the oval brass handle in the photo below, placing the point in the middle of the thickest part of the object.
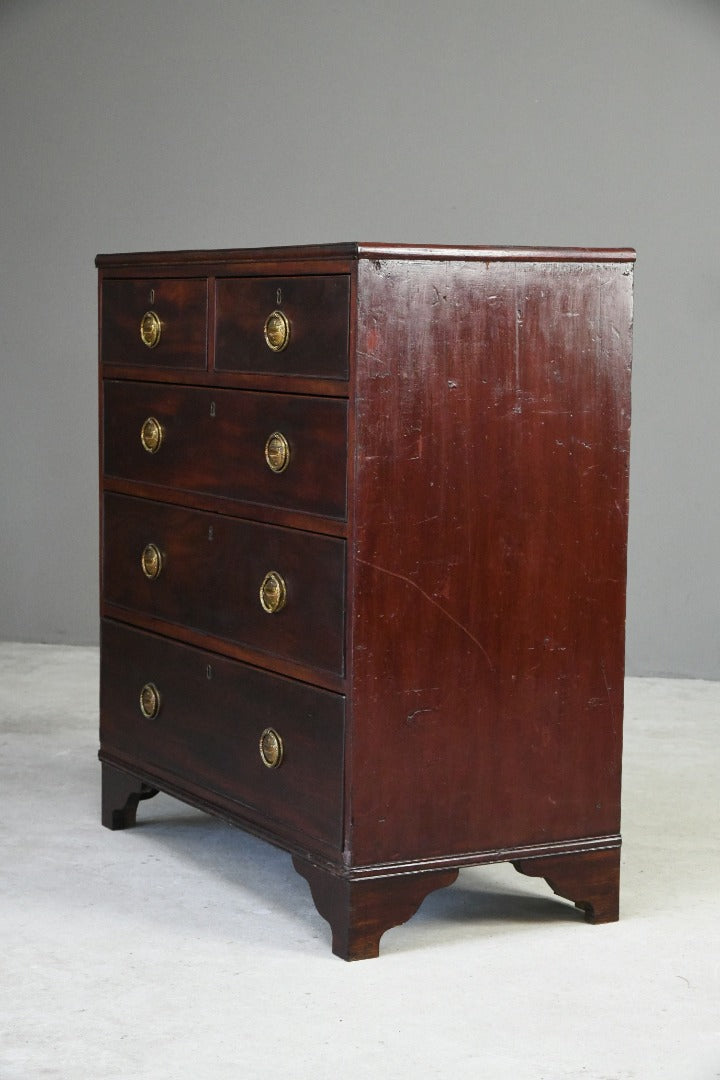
(151, 435)
(277, 452)
(150, 329)
(271, 748)
(149, 701)
(273, 592)
(277, 331)
(151, 561)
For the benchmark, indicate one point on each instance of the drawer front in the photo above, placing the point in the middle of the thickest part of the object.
(205, 572)
(215, 442)
(161, 323)
(309, 335)
(212, 715)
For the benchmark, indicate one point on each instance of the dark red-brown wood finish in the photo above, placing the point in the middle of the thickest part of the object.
(490, 504)
(214, 445)
(317, 309)
(212, 570)
(219, 751)
(184, 305)
(446, 675)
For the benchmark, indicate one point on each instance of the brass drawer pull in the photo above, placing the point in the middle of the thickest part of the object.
(149, 701)
(277, 331)
(151, 561)
(277, 452)
(273, 593)
(271, 748)
(151, 435)
(150, 329)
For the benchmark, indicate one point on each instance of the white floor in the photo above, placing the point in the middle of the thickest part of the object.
(186, 949)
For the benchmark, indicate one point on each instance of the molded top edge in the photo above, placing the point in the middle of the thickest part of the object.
(495, 254)
(369, 251)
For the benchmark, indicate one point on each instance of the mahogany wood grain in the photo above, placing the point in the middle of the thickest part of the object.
(490, 516)
(229, 262)
(232, 380)
(181, 305)
(591, 881)
(453, 539)
(214, 444)
(212, 714)
(317, 308)
(340, 257)
(213, 567)
(280, 832)
(328, 680)
(273, 515)
(360, 911)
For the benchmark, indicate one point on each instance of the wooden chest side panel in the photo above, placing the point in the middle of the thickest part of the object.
(487, 615)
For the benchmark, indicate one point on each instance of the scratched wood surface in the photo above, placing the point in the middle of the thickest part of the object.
(490, 517)
(453, 543)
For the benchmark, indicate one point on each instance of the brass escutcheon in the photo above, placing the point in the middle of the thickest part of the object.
(273, 593)
(277, 331)
(149, 701)
(277, 452)
(150, 329)
(151, 561)
(271, 748)
(151, 435)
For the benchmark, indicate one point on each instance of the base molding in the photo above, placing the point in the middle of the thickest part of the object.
(360, 907)
(360, 903)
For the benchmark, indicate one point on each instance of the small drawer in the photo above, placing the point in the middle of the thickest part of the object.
(203, 717)
(288, 326)
(277, 450)
(155, 323)
(211, 573)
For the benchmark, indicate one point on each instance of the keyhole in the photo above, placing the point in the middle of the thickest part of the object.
(152, 296)
(212, 408)
(278, 297)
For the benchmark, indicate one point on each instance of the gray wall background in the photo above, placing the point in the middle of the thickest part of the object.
(142, 124)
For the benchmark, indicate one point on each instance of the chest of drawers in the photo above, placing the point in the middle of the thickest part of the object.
(363, 536)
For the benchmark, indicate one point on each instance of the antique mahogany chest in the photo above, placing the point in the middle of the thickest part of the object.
(363, 530)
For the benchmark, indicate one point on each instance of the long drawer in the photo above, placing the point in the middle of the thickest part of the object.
(275, 590)
(155, 322)
(273, 449)
(202, 717)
